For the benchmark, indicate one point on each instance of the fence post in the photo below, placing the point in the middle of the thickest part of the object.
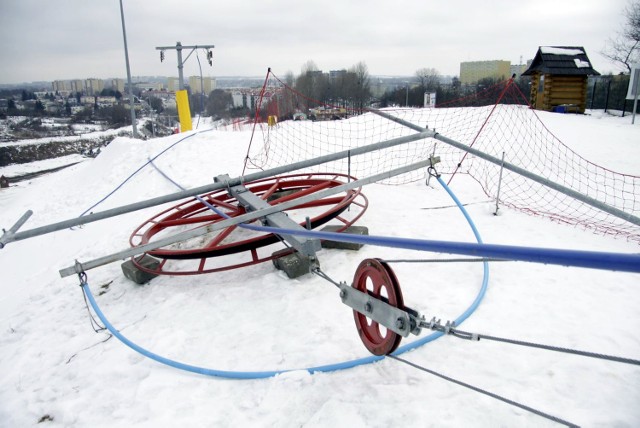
(499, 185)
(593, 93)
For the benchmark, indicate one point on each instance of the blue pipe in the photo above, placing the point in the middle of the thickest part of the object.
(586, 259)
(323, 368)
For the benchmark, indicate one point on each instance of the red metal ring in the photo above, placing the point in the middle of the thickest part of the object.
(275, 190)
(378, 280)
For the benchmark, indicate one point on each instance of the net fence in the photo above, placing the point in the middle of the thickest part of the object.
(291, 127)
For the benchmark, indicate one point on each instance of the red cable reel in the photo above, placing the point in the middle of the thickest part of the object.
(234, 240)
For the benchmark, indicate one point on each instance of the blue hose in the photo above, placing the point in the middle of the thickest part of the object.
(588, 259)
(324, 368)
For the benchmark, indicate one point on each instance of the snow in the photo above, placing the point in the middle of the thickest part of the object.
(560, 51)
(54, 368)
(581, 64)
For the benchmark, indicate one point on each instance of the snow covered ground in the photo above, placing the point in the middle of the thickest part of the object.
(54, 369)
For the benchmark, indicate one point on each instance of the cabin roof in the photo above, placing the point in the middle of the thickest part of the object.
(563, 60)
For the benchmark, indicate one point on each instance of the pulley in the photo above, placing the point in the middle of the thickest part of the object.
(379, 311)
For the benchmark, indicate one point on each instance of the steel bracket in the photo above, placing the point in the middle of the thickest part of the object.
(392, 318)
(252, 202)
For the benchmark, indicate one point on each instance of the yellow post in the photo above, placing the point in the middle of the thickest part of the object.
(184, 113)
(272, 120)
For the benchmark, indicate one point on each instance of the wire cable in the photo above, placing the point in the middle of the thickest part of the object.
(119, 186)
(482, 391)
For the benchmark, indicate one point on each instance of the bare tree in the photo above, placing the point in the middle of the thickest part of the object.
(428, 79)
(362, 85)
(305, 83)
(289, 79)
(625, 47)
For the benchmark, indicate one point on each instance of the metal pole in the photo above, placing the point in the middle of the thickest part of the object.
(499, 185)
(212, 187)
(606, 101)
(202, 230)
(635, 89)
(538, 179)
(180, 66)
(126, 57)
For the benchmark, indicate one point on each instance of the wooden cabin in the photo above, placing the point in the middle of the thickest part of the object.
(559, 78)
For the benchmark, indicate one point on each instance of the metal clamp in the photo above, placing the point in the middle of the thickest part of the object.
(392, 318)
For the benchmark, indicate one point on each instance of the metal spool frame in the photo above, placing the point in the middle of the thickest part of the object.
(275, 191)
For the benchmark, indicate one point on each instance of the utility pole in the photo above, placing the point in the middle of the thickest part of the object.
(126, 57)
(178, 48)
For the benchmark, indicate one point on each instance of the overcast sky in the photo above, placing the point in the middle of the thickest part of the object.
(65, 39)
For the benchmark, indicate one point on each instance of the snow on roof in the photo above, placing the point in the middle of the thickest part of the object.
(581, 64)
(560, 51)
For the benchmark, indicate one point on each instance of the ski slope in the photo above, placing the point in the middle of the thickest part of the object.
(55, 369)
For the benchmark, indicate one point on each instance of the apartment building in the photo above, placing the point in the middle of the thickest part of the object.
(472, 71)
(206, 84)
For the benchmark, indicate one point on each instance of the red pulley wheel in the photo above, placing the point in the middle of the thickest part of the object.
(378, 280)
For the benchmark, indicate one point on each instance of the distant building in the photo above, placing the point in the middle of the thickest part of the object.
(87, 100)
(117, 85)
(106, 101)
(518, 69)
(52, 107)
(172, 84)
(238, 99)
(61, 86)
(206, 84)
(77, 85)
(93, 86)
(335, 74)
(149, 86)
(168, 97)
(471, 72)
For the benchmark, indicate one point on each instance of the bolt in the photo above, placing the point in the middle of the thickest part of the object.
(343, 294)
(400, 324)
(368, 307)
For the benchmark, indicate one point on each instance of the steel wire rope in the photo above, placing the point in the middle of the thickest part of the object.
(119, 186)
(478, 336)
(201, 90)
(245, 375)
(485, 392)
